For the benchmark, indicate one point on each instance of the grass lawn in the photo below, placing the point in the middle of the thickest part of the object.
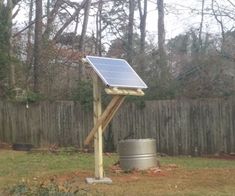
(64, 174)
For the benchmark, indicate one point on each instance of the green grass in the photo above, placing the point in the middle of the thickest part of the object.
(193, 176)
(15, 166)
(198, 163)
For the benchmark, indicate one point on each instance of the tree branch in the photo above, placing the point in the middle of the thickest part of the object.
(217, 19)
(51, 17)
(66, 24)
(231, 3)
(26, 27)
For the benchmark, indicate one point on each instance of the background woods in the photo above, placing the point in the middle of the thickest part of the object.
(42, 43)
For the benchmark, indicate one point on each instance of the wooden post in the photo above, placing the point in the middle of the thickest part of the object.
(98, 143)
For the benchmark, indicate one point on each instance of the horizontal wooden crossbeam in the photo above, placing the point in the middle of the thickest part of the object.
(106, 116)
(121, 91)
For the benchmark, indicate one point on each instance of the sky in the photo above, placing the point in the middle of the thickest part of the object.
(180, 16)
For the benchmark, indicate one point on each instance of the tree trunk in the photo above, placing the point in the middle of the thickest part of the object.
(161, 40)
(83, 33)
(201, 25)
(84, 25)
(10, 49)
(130, 31)
(37, 45)
(98, 47)
(29, 49)
(51, 14)
(48, 8)
(143, 16)
(29, 36)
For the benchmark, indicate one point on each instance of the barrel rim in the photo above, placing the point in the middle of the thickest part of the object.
(138, 140)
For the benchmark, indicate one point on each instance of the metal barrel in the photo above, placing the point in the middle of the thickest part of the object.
(137, 154)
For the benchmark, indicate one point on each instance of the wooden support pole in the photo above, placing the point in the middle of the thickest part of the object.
(101, 120)
(98, 143)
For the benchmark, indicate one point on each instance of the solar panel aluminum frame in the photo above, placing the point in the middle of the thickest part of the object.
(112, 85)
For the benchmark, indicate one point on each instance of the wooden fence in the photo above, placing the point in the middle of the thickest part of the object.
(190, 127)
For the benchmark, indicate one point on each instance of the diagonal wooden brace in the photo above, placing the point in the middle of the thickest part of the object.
(112, 113)
(106, 116)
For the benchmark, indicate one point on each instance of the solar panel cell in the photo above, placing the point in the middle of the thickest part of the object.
(116, 72)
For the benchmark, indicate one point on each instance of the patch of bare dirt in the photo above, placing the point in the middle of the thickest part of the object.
(166, 179)
(5, 146)
(135, 174)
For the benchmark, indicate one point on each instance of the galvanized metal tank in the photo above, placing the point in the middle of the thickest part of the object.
(137, 154)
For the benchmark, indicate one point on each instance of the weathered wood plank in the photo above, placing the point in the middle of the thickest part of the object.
(179, 126)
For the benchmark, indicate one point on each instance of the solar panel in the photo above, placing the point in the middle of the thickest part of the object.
(116, 72)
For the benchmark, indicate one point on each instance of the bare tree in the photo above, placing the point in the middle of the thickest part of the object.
(161, 39)
(201, 24)
(98, 47)
(10, 6)
(84, 25)
(29, 35)
(130, 31)
(70, 19)
(218, 14)
(142, 28)
(143, 17)
(37, 44)
(51, 15)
